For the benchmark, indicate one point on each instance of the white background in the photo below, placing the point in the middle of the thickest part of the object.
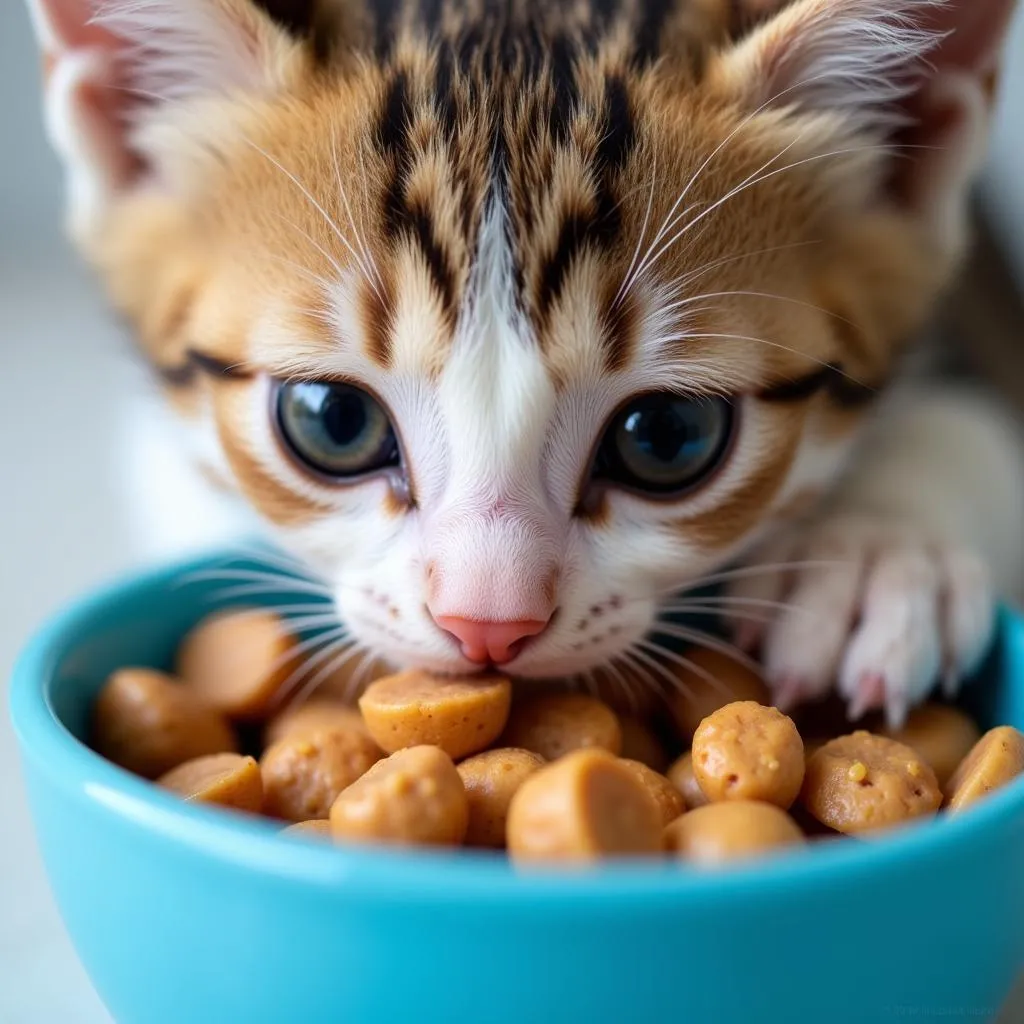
(63, 366)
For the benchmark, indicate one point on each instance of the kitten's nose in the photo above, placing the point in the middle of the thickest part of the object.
(490, 642)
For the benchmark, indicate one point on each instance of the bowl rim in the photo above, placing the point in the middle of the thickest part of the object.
(384, 874)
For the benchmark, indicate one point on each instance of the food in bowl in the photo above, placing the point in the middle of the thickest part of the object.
(434, 761)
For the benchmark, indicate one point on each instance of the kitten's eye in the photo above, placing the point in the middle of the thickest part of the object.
(664, 444)
(336, 429)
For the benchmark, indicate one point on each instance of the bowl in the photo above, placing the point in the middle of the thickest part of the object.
(186, 913)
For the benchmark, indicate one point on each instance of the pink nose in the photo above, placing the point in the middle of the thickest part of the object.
(489, 642)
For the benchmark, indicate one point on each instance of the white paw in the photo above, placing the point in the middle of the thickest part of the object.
(867, 607)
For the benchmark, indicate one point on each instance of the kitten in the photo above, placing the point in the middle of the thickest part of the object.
(513, 319)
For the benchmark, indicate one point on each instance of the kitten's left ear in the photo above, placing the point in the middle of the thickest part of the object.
(108, 65)
(918, 73)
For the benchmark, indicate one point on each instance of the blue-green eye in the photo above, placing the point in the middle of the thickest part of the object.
(336, 429)
(664, 444)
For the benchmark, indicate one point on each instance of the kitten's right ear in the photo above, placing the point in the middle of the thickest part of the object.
(110, 65)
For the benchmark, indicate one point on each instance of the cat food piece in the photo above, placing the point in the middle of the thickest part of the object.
(666, 796)
(996, 759)
(746, 751)
(680, 774)
(229, 780)
(640, 744)
(943, 736)
(864, 782)
(461, 716)
(304, 772)
(714, 681)
(149, 723)
(313, 716)
(813, 829)
(587, 805)
(491, 780)
(413, 797)
(318, 828)
(555, 724)
(730, 831)
(238, 661)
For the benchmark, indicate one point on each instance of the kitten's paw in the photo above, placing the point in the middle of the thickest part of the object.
(868, 607)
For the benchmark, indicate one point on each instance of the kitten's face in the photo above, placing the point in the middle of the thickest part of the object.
(519, 343)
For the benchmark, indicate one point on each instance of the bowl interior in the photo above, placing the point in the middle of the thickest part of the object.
(141, 621)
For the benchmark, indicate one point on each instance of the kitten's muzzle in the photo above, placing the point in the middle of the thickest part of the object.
(491, 643)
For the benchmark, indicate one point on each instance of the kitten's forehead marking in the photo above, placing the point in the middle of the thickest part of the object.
(495, 391)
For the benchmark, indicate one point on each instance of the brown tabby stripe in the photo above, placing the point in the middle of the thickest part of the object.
(831, 379)
(599, 226)
(198, 362)
(403, 219)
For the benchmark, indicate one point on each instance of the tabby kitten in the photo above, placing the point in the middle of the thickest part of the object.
(512, 319)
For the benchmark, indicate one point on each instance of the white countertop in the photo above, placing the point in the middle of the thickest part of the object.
(64, 366)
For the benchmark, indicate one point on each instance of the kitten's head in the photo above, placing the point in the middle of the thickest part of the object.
(509, 323)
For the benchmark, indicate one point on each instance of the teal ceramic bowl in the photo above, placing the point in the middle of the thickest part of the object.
(187, 915)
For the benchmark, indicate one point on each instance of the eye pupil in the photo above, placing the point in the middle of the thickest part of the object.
(344, 418)
(664, 443)
(335, 429)
(662, 433)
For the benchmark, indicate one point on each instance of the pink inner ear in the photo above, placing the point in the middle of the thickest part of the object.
(71, 26)
(976, 31)
(103, 111)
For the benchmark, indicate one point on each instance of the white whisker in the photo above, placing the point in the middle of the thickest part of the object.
(700, 638)
(330, 642)
(341, 653)
(751, 294)
(256, 576)
(666, 682)
(750, 183)
(366, 264)
(741, 615)
(627, 279)
(338, 233)
(297, 650)
(729, 601)
(698, 670)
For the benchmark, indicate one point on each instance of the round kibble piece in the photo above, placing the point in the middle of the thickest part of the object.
(584, 807)
(680, 774)
(556, 724)
(746, 751)
(229, 780)
(238, 661)
(996, 759)
(149, 723)
(863, 782)
(943, 736)
(640, 744)
(491, 780)
(313, 716)
(730, 831)
(461, 716)
(669, 800)
(714, 681)
(316, 828)
(303, 773)
(413, 797)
